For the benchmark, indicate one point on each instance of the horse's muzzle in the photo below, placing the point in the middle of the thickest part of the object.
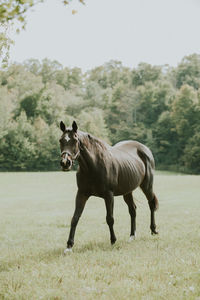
(66, 164)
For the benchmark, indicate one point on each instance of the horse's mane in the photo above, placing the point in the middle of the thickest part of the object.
(91, 142)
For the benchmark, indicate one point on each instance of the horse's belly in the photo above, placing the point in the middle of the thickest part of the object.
(130, 177)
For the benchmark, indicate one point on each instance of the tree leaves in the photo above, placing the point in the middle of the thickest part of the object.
(36, 96)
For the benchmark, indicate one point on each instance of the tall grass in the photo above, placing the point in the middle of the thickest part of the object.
(35, 214)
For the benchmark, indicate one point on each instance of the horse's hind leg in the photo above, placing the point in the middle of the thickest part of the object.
(147, 188)
(109, 202)
(153, 206)
(132, 211)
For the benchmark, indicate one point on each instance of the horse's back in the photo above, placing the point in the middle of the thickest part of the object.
(134, 148)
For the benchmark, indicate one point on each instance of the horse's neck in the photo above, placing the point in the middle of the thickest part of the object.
(85, 160)
(90, 153)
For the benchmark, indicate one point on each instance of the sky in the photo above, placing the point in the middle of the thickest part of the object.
(158, 32)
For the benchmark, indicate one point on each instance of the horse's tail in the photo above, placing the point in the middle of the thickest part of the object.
(147, 185)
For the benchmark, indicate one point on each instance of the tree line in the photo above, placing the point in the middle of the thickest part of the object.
(156, 105)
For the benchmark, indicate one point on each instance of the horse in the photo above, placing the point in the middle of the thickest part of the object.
(106, 171)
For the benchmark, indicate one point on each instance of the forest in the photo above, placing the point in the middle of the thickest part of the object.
(156, 105)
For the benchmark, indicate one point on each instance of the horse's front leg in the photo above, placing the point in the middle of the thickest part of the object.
(80, 204)
(109, 201)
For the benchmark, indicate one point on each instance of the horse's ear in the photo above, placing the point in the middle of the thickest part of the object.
(74, 126)
(62, 126)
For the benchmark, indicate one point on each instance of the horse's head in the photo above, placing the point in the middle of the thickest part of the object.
(69, 146)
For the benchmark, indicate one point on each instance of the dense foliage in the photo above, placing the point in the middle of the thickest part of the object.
(156, 105)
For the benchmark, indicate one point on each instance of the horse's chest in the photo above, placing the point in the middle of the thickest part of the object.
(92, 184)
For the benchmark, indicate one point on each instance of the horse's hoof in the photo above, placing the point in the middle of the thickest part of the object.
(132, 237)
(113, 241)
(154, 232)
(67, 250)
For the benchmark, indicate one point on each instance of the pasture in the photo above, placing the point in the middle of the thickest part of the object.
(35, 215)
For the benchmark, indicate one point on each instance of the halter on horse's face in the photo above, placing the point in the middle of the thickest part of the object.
(69, 146)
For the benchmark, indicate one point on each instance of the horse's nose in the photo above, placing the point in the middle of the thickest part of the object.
(65, 163)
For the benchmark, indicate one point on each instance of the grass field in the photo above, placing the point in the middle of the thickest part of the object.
(35, 214)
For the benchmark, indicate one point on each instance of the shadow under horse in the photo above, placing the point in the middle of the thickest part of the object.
(106, 171)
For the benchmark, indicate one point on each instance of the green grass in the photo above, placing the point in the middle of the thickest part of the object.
(35, 214)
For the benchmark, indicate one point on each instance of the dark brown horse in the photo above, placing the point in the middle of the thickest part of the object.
(105, 172)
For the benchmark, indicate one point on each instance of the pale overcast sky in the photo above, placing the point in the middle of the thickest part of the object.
(132, 31)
